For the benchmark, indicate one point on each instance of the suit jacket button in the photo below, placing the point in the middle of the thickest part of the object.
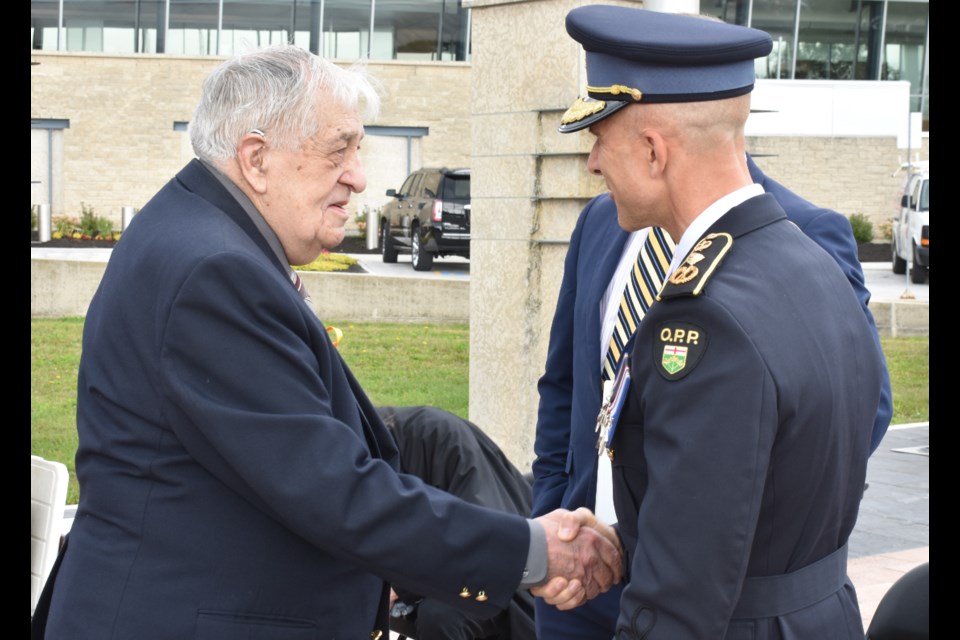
(482, 596)
(464, 593)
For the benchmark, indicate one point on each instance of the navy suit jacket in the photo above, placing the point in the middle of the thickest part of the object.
(746, 456)
(235, 481)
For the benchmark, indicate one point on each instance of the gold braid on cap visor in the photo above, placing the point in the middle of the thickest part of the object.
(585, 107)
(616, 90)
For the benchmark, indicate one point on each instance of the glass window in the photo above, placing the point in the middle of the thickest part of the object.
(425, 30)
(346, 29)
(905, 52)
(841, 40)
(407, 187)
(431, 184)
(337, 29)
(456, 187)
(44, 24)
(111, 26)
(193, 27)
(248, 24)
(922, 197)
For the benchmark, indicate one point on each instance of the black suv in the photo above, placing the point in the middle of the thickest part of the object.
(429, 216)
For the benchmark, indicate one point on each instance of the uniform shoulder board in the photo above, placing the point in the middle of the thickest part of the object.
(691, 276)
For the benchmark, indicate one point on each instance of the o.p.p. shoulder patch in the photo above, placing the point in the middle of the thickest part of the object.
(678, 348)
(691, 276)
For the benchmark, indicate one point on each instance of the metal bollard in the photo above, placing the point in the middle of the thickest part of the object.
(373, 229)
(126, 215)
(44, 223)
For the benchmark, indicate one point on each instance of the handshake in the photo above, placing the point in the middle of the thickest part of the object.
(584, 558)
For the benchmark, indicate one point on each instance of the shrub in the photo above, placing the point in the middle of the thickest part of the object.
(360, 217)
(93, 225)
(862, 228)
(327, 261)
(885, 230)
(63, 226)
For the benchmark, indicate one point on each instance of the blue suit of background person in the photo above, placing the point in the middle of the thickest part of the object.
(832, 231)
(236, 481)
(565, 469)
(738, 471)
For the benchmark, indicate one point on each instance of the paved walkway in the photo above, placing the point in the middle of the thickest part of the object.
(892, 534)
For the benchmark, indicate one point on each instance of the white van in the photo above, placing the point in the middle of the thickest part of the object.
(910, 243)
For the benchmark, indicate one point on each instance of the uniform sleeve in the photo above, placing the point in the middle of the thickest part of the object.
(695, 451)
(259, 398)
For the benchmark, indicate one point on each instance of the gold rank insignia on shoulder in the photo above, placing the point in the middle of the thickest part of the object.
(678, 348)
(691, 276)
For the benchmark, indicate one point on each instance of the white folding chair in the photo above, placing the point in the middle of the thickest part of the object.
(48, 498)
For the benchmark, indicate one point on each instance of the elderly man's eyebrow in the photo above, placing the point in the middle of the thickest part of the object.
(346, 135)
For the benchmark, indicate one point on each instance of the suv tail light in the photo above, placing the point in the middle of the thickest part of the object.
(437, 210)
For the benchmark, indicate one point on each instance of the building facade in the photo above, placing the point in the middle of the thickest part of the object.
(127, 73)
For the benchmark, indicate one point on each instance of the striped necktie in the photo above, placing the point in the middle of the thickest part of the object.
(639, 294)
(298, 283)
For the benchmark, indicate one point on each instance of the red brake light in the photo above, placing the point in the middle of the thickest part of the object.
(437, 210)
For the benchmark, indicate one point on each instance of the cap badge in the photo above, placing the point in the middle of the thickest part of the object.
(581, 109)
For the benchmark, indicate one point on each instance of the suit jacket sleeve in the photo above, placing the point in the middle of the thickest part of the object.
(262, 400)
(552, 442)
(832, 232)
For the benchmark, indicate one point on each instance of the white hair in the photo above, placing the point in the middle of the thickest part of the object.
(276, 90)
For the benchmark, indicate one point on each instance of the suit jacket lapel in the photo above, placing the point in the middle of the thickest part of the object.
(198, 179)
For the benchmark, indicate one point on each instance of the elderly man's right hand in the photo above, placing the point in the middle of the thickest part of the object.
(584, 558)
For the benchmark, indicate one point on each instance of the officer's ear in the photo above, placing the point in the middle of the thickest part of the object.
(655, 152)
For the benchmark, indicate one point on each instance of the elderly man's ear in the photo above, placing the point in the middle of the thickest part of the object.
(251, 157)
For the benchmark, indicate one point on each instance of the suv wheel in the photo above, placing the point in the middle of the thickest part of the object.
(422, 260)
(899, 264)
(386, 244)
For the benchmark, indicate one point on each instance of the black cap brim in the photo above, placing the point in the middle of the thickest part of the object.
(587, 111)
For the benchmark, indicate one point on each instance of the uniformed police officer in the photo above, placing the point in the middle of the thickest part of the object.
(740, 445)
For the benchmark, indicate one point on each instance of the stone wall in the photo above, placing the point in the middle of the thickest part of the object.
(62, 288)
(850, 175)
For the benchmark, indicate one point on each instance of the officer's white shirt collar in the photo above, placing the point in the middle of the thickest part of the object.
(710, 215)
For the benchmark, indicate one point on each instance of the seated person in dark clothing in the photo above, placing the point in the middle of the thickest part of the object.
(454, 455)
